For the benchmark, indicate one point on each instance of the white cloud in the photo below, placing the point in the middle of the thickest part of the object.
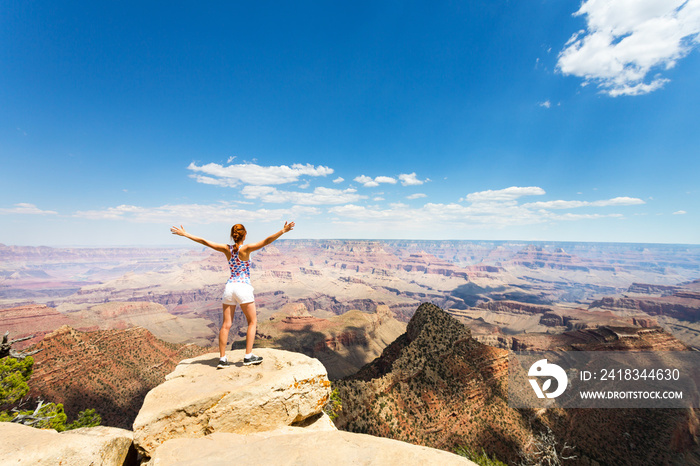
(366, 181)
(416, 196)
(196, 213)
(617, 201)
(385, 179)
(340, 179)
(410, 179)
(627, 41)
(378, 198)
(319, 196)
(25, 208)
(545, 104)
(369, 182)
(680, 212)
(253, 174)
(507, 194)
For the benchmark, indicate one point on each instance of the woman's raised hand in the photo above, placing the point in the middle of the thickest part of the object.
(288, 227)
(178, 231)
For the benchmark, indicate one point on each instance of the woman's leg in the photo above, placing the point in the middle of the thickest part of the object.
(250, 315)
(229, 310)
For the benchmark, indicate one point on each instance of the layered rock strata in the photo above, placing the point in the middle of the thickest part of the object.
(682, 305)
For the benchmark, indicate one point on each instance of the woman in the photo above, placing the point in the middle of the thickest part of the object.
(238, 289)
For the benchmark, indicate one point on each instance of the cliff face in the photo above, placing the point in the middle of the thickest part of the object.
(681, 305)
(436, 386)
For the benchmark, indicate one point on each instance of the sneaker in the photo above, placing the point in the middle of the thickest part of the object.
(223, 364)
(252, 360)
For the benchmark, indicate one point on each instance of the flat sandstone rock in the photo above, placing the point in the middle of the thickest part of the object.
(197, 399)
(312, 448)
(81, 447)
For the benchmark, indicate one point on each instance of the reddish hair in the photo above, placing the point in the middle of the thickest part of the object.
(238, 233)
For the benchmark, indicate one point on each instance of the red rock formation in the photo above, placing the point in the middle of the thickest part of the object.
(108, 370)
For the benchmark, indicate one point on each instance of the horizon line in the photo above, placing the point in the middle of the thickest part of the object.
(188, 246)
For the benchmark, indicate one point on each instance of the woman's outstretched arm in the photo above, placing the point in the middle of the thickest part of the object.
(248, 248)
(216, 246)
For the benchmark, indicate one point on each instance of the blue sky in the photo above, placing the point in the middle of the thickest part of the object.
(550, 120)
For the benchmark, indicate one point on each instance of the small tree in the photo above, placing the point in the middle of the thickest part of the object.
(44, 416)
(542, 450)
(6, 347)
(14, 375)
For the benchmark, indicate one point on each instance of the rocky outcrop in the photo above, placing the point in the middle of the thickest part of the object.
(430, 385)
(24, 445)
(197, 399)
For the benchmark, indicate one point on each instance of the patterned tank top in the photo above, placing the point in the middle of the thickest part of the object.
(240, 270)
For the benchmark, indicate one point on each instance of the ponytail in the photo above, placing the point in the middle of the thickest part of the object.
(238, 232)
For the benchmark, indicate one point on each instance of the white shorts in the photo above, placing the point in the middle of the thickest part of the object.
(238, 293)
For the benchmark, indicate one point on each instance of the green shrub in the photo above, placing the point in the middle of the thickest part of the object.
(14, 374)
(481, 459)
(334, 405)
